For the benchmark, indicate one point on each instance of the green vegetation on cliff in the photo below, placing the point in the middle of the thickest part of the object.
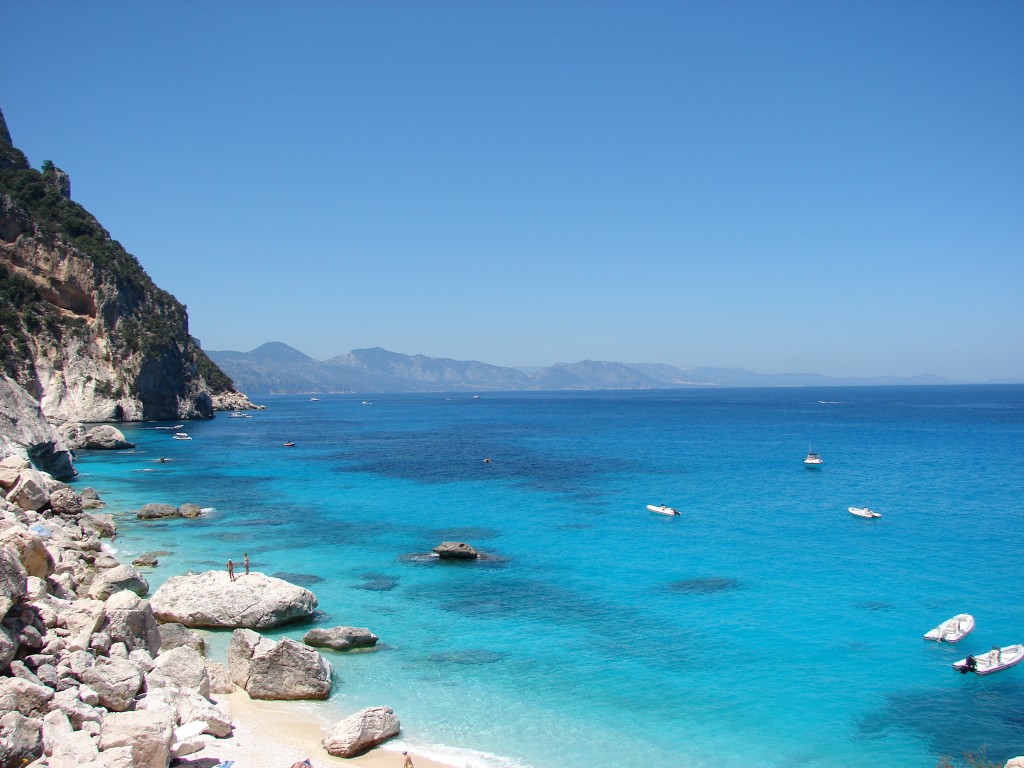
(115, 298)
(218, 381)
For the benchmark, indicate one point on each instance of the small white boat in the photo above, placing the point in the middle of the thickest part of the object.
(662, 509)
(240, 415)
(181, 436)
(952, 630)
(995, 660)
(813, 460)
(314, 399)
(864, 512)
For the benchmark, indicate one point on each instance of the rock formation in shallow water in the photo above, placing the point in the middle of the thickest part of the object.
(455, 550)
(279, 671)
(340, 638)
(211, 599)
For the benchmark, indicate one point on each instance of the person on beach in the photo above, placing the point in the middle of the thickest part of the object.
(231, 570)
(245, 562)
(407, 763)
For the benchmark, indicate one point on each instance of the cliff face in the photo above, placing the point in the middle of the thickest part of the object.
(84, 329)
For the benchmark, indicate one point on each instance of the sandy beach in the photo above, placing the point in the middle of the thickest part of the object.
(277, 734)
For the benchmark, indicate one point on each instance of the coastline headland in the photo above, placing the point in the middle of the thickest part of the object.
(92, 677)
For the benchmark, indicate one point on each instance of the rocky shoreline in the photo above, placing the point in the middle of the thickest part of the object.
(93, 675)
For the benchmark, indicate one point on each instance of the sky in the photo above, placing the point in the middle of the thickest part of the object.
(784, 186)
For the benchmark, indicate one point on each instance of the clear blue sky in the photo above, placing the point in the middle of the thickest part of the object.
(782, 186)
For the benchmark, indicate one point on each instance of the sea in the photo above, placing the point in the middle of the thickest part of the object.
(763, 627)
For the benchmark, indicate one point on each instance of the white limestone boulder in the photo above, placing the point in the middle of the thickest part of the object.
(362, 731)
(12, 580)
(191, 707)
(149, 733)
(21, 739)
(31, 550)
(30, 492)
(182, 667)
(116, 681)
(130, 620)
(211, 599)
(340, 638)
(118, 578)
(30, 699)
(282, 670)
(104, 437)
(174, 635)
(115, 757)
(56, 727)
(220, 680)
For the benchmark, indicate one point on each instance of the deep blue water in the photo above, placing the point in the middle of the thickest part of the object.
(765, 626)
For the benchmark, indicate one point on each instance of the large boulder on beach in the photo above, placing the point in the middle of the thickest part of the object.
(211, 599)
(340, 638)
(362, 731)
(282, 670)
(149, 733)
(455, 550)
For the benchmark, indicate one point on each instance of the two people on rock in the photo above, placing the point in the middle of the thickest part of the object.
(231, 566)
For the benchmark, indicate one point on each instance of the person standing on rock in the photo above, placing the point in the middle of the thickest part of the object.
(245, 561)
(231, 570)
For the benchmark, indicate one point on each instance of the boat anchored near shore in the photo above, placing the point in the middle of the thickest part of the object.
(182, 436)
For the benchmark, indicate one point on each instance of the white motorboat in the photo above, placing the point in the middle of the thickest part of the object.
(182, 436)
(952, 630)
(662, 509)
(813, 460)
(314, 399)
(240, 415)
(864, 512)
(995, 660)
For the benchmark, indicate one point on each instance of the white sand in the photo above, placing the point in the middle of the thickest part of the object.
(276, 734)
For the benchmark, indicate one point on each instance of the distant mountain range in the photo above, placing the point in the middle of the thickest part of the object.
(276, 368)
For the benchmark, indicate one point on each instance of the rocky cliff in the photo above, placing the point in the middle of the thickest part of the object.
(84, 329)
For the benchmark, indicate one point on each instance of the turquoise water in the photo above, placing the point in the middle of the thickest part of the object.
(765, 626)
